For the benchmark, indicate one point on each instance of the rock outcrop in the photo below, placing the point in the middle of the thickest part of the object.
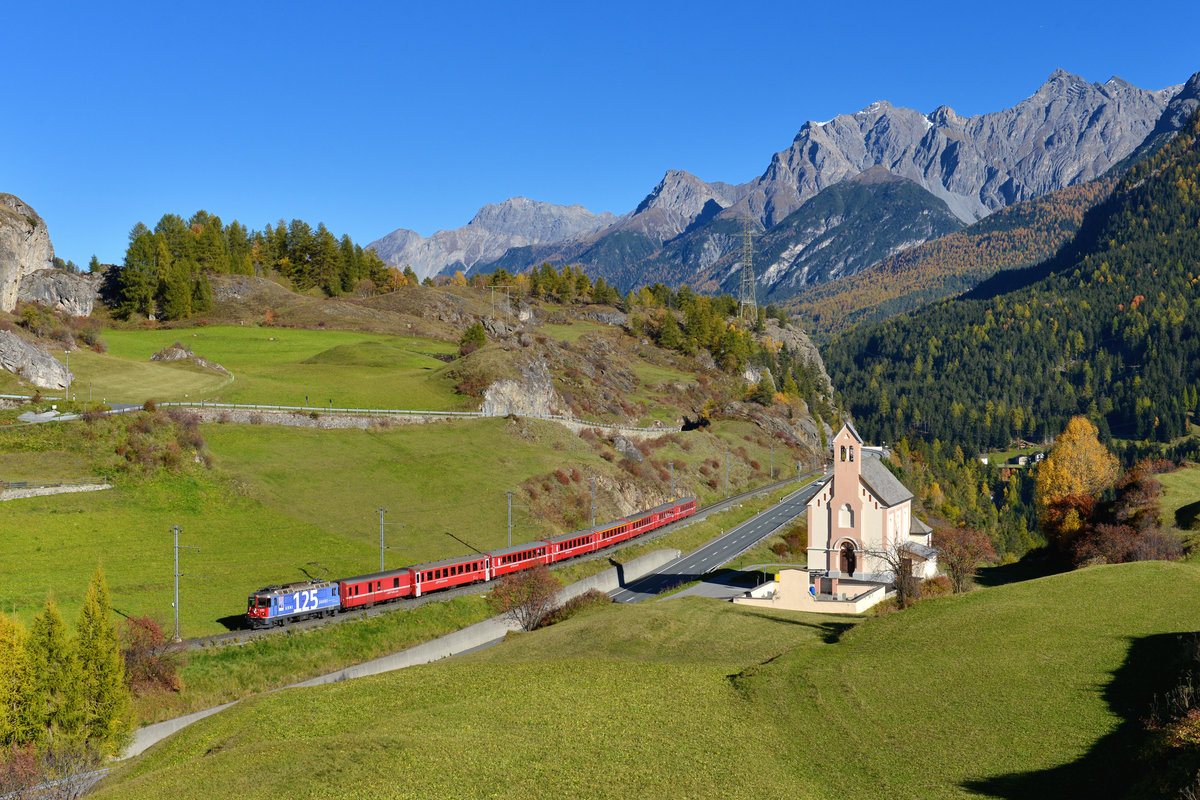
(24, 247)
(532, 395)
(177, 352)
(31, 364)
(62, 291)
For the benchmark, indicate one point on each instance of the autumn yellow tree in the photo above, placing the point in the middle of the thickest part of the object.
(1079, 466)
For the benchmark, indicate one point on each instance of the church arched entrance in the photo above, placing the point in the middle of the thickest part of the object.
(848, 560)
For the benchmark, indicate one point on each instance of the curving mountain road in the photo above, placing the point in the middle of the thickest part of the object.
(719, 551)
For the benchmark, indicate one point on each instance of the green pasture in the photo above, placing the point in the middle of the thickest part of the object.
(275, 366)
(281, 504)
(434, 480)
(612, 703)
(1024, 690)
(1180, 503)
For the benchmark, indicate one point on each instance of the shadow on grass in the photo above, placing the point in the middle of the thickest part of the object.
(831, 632)
(1037, 564)
(1188, 517)
(1114, 765)
(234, 622)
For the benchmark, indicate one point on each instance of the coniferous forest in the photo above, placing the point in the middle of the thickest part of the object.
(165, 271)
(1109, 327)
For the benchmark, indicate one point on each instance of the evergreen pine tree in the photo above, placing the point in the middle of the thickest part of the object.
(202, 296)
(106, 720)
(139, 279)
(55, 698)
(94, 265)
(668, 332)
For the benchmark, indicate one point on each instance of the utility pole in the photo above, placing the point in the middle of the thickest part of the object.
(672, 480)
(772, 460)
(510, 508)
(592, 482)
(383, 511)
(175, 529)
(727, 473)
(510, 494)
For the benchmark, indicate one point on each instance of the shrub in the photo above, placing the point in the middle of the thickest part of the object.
(937, 586)
(150, 662)
(592, 598)
(150, 406)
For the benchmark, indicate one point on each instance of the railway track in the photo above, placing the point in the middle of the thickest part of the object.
(247, 635)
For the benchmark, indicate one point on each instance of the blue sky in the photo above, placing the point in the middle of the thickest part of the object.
(376, 116)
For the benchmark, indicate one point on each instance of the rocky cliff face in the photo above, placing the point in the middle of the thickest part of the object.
(517, 222)
(62, 291)
(24, 247)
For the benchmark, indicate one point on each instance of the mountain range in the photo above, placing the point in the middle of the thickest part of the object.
(943, 171)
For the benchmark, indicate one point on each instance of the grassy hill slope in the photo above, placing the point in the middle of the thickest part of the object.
(1021, 690)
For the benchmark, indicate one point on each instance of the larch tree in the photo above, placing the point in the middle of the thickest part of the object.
(1078, 466)
(55, 696)
(15, 720)
(106, 719)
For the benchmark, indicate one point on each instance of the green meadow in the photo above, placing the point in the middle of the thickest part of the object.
(276, 366)
(1042, 683)
(281, 504)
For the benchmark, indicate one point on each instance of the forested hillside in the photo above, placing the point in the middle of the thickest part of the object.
(1110, 327)
(165, 269)
(1014, 237)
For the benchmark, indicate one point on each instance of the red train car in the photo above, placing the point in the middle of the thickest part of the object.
(377, 587)
(518, 557)
(450, 572)
(576, 543)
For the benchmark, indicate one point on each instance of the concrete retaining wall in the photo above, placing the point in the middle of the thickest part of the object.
(477, 635)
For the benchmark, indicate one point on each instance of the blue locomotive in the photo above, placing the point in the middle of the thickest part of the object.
(275, 605)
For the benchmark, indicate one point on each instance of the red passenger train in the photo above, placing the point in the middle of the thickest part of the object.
(382, 587)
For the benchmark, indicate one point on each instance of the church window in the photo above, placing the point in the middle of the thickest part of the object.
(846, 516)
(843, 452)
(851, 452)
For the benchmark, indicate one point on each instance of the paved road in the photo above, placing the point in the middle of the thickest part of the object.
(721, 550)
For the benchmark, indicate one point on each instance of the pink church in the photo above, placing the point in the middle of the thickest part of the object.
(860, 512)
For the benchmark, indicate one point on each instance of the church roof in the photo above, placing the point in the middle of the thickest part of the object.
(886, 486)
(853, 432)
(918, 528)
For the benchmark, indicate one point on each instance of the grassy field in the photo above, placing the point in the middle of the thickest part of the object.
(282, 504)
(697, 698)
(1181, 498)
(279, 366)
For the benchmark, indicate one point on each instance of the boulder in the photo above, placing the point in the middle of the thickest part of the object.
(31, 364)
(24, 247)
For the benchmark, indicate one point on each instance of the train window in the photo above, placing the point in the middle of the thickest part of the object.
(395, 583)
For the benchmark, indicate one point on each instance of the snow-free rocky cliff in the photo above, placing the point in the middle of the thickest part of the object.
(24, 247)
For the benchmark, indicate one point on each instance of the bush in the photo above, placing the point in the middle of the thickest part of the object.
(150, 406)
(592, 598)
(937, 586)
(474, 338)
